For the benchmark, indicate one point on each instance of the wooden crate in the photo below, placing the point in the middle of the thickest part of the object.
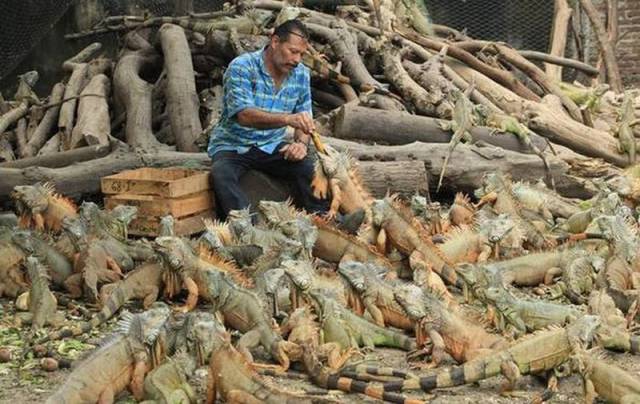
(167, 182)
(156, 192)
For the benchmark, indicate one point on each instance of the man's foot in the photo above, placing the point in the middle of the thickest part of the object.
(350, 223)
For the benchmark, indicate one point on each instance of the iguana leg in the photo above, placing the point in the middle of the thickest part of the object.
(107, 395)
(250, 339)
(281, 351)
(113, 265)
(336, 198)
(192, 298)
(381, 241)
(375, 312)
(212, 392)
(320, 183)
(137, 378)
(150, 298)
(39, 221)
(73, 284)
(485, 253)
(241, 397)
(335, 359)
(423, 275)
(552, 273)
(589, 391)
(488, 198)
(438, 352)
(512, 373)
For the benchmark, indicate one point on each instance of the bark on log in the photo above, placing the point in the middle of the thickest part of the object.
(68, 109)
(21, 137)
(12, 116)
(51, 146)
(554, 60)
(36, 113)
(61, 159)
(182, 98)
(94, 125)
(41, 133)
(84, 178)
(608, 52)
(398, 128)
(562, 15)
(135, 95)
(430, 76)
(469, 163)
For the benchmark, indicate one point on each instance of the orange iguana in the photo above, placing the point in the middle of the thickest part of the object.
(40, 207)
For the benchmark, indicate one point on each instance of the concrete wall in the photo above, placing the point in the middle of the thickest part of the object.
(628, 48)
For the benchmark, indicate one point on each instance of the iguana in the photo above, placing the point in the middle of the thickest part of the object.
(368, 292)
(12, 278)
(462, 210)
(336, 174)
(240, 308)
(626, 139)
(578, 278)
(40, 207)
(397, 229)
(502, 233)
(525, 315)
(42, 303)
(534, 354)
(542, 199)
(447, 329)
(338, 323)
(612, 333)
(246, 233)
(461, 124)
(120, 363)
(167, 224)
(168, 384)
(311, 277)
(58, 265)
(144, 282)
(466, 244)
(233, 378)
(218, 239)
(604, 380)
(431, 215)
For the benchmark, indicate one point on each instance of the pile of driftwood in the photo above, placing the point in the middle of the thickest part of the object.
(384, 78)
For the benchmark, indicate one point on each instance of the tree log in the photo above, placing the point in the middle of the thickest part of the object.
(554, 60)
(182, 98)
(84, 178)
(469, 163)
(53, 145)
(21, 137)
(608, 52)
(562, 15)
(12, 116)
(60, 159)
(46, 125)
(68, 108)
(398, 128)
(94, 125)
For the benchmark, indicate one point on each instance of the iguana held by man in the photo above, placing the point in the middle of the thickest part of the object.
(534, 354)
(40, 207)
(240, 308)
(368, 292)
(462, 122)
(447, 329)
(120, 363)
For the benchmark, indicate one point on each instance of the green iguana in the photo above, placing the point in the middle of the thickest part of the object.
(167, 384)
(626, 139)
(42, 303)
(463, 120)
(120, 363)
(59, 266)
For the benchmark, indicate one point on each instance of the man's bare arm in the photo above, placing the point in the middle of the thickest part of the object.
(259, 119)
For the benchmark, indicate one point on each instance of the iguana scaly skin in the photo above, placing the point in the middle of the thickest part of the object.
(240, 308)
(612, 333)
(539, 196)
(167, 384)
(461, 124)
(448, 331)
(58, 265)
(578, 278)
(526, 315)
(246, 233)
(335, 246)
(604, 380)
(430, 214)
(40, 207)
(465, 244)
(233, 378)
(42, 303)
(119, 364)
(143, 283)
(12, 278)
(462, 210)
(502, 232)
(397, 229)
(534, 354)
(626, 139)
(368, 292)
(336, 172)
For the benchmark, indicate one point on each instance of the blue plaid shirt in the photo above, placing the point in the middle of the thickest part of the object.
(247, 84)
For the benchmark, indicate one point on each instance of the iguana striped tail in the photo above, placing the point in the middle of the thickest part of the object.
(324, 378)
(376, 371)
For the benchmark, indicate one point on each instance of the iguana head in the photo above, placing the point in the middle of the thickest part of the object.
(124, 214)
(497, 294)
(497, 228)
(239, 221)
(167, 224)
(419, 205)
(75, 228)
(273, 280)
(31, 198)
(301, 230)
(353, 272)
(277, 212)
(334, 163)
(300, 273)
(146, 326)
(618, 231)
(491, 182)
(24, 240)
(411, 298)
(582, 331)
(174, 251)
(380, 210)
(200, 327)
(212, 240)
(89, 211)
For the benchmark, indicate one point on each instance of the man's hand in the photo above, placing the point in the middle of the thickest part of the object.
(294, 151)
(302, 121)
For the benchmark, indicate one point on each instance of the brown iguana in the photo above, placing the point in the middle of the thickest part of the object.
(462, 210)
(534, 354)
(12, 277)
(167, 384)
(447, 329)
(461, 124)
(58, 265)
(397, 228)
(240, 308)
(430, 215)
(42, 303)
(612, 333)
(144, 282)
(40, 207)
(626, 139)
(120, 363)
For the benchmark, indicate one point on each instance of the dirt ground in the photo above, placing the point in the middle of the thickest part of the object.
(26, 382)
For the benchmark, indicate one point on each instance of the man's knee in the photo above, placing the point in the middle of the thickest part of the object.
(223, 174)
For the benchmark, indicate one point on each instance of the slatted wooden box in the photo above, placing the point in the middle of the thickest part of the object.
(157, 192)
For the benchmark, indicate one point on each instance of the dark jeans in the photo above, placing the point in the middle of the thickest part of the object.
(228, 167)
